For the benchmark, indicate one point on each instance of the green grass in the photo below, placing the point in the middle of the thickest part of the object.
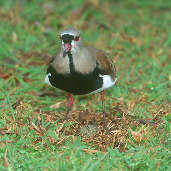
(137, 36)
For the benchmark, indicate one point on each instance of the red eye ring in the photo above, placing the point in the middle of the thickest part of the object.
(76, 38)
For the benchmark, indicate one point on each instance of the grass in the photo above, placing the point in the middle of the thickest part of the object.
(137, 36)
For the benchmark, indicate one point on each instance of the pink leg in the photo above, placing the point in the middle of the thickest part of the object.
(69, 104)
(70, 101)
(102, 93)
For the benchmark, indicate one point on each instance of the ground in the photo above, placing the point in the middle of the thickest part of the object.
(33, 134)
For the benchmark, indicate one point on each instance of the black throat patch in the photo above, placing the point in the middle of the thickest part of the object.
(71, 63)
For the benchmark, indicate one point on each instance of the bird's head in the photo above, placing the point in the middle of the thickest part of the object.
(70, 39)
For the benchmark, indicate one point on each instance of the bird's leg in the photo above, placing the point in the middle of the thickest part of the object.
(69, 105)
(102, 93)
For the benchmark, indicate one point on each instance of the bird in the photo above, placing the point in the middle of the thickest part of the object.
(80, 70)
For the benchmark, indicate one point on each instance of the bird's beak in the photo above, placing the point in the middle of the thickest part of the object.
(67, 47)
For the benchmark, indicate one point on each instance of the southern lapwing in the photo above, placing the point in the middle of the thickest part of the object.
(80, 70)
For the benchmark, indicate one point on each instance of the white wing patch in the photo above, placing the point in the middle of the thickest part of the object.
(107, 83)
(47, 79)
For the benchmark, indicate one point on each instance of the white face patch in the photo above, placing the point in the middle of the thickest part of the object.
(72, 43)
(73, 49)
(72, 34)
(62, 44)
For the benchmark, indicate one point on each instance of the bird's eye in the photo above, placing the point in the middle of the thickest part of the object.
(76, 38)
